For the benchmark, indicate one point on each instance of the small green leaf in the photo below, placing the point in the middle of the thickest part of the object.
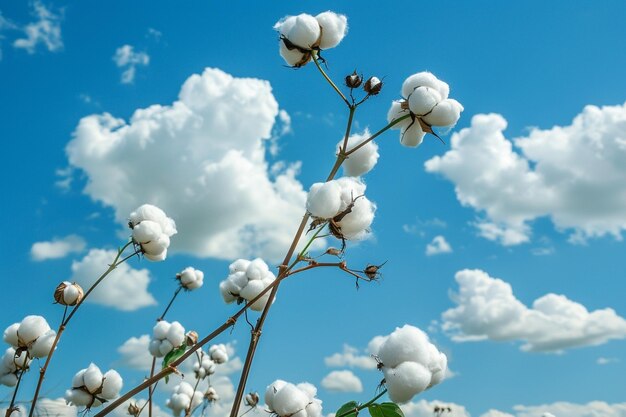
(385, 410)
(172, 356)
(348, 410)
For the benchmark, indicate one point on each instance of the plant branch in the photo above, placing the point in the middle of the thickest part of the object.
(362, 406)
(375, 135)
(332, 84)
(12, 407)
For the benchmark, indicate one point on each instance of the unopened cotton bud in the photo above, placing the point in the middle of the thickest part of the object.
(423, 99)
(333, 27)
(133, 409)
(354, 80)
(252, 399)
(372, 86)
(191, 338)
(68, 293)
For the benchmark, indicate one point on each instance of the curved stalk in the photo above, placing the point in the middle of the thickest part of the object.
(332, 84)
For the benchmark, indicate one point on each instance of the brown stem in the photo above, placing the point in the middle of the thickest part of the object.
(12, 407)
(375, 135)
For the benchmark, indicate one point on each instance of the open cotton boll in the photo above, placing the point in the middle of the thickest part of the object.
(305, 31)
(445, 113)
(289, 400)
(407, 343)
(8, 379)
(425, 79)
(247, 284)
(271, 390)
(159, 331)
(12, 363)
(218, 353)
(228, 290)
(293, 57)
(364, 159)
(395, 112)
(334, 28)
(112, 385)
(155, 214)
(191, 278)
(406, 380)
(92, 378)
(78, 397)
(257, 269)
(176, 334)
(412, 136)
(42, 346)
(31, 328)
(423, 99)
(10, 335)
(356, 224)
(240, 265)
(324, 199)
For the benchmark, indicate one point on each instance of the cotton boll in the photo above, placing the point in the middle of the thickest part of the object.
(78, 380)
(154, 348)
(324, 199)
(72, 293)
(218, 353)
(185, 388)
(159, 331)
(423, 99)
(156, 258)
(355, 224)
(93, 378)
(293, 57)
(31, 328)
(314, 409)
(439, 373)
(257, 269)
(308, 388)
(165, 347)
(406, 380)
(425, 79)
(445, 113)
(42, 346)
(240, 265)
(364, 159)
(271, 391)
(334, 28)
(156, 247)
(78, 397)
(176, 334)
(289, 400)
(191, 278)
(10, 334)
(146, 231)
(155, 214)
(238, 280)
(196, 400)
(253, 289)
(407, 343)
(395, 112)
(412, 136)
(305, 32)
(9, 380)
(112, 385)
(227, 290)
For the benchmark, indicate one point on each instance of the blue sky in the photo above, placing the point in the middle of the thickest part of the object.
(561, 195)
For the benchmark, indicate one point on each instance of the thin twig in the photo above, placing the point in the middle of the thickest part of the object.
(332, 84)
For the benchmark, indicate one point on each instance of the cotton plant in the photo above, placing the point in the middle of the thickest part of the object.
(303, 35)
(184, 397)
(166, 337)
(190, 278)
(33, 335)
(246, 280)
(11, 365)
(425, 101)
(288, 400)
(92, 388)
(151, 230)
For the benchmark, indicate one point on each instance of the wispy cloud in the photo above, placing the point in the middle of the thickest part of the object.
(126, 58)
(46, 30)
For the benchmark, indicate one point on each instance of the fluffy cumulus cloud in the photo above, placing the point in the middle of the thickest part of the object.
(342, 381)
(125, 288)
(574, 174)
(135, 354)
(423, 408)
(57, 248)
(202, 160)
(128, 59)
(488, 309)
(566, 409)
(46, 30)
(439, 245)
(352, 357)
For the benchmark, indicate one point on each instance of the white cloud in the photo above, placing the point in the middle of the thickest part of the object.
(488, 309)
(46, 30)
(438, 246)
(496, 413)
(135, 354)
(155, 34)
(126, 57)
(125, 288)
(606, 361)
(201, 159)
(342, 381)
(565, 409)
(352, 357)
(574, 174)
(423, 408)
(57, 248)
(47, 407)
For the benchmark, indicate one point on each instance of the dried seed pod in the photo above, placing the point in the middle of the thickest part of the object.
(333, 251)
(68, 293)
(252, 399)
(354, 80)
(191, 338)
(133, 409)
(372, 86)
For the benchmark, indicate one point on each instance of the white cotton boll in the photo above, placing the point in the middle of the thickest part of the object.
(159, 331)
(314, 409)
(407, 343)
(324, 199)
(334, 28)
(78, 397)
(10, 335)
(112, 385)
(185, 388)
(395, 112)
(218, 353)
(156, 258)
(292, 57)
(438, 373)
(165, 347)
(364, 159)
(71, 293)
(196, 400)
(412, 136)
(406, 380)
(191, 278)
(420, 79)
(155, 214)
(157, 246)
(289, 399)
(146, 231)
(257, 269)
(155, 348)
(308, 388)
(178, 403)
(42, 346)
(301, 413)
(305, 32)
(239, 280)
(227, 290)
(9, 380)
(423, 99)
(31, 328)
(284, 25)
(355, 224)
(93, 378)
(445, 113)
(176, 334)
(271, 391)
(240, 265)
(78, 380)
(253, 289)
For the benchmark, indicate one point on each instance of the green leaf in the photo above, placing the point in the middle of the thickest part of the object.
(348, 410)
(385, 410)
(172, 356)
